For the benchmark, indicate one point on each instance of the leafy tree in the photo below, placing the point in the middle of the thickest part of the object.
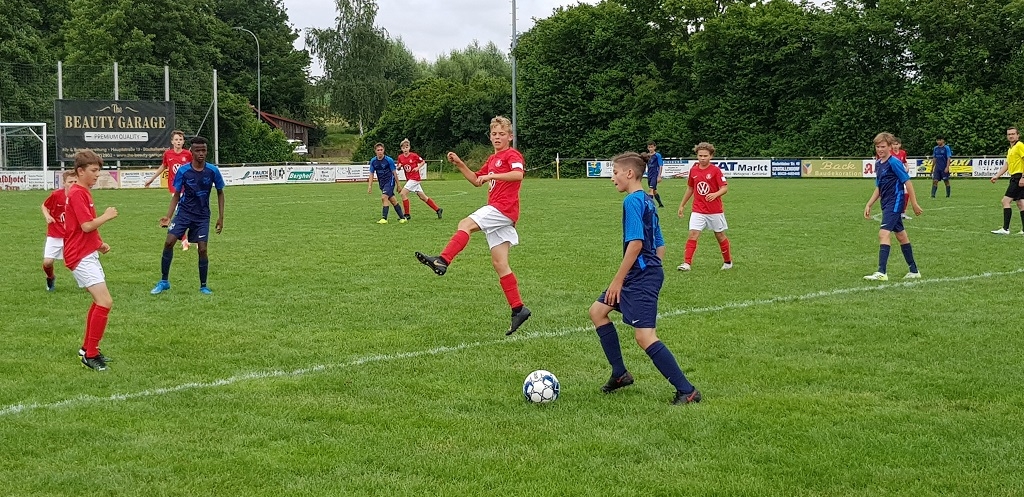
(474, 60)
(244, 138)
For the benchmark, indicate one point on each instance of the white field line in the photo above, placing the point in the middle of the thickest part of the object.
(375, 358)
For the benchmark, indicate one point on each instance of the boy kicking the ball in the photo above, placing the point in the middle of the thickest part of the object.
(635, 287)
(504, 171)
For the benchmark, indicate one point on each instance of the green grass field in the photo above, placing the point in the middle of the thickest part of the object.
(329, 362)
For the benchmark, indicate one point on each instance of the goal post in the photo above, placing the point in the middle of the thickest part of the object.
(23, 148)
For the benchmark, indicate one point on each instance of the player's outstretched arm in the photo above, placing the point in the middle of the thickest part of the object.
(220, 210)
(463, 168)
(156, 175)
(166, 220)
(1002, 171)
(871, 202)
(93, 225)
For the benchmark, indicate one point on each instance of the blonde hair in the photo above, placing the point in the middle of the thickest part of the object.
(178, 132)
(503, 122)
(704, 146)
(404, 143)
(885, 137)
(85, 158)
(69, 173)
(631, 160)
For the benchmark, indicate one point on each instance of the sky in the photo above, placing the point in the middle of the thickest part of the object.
(432, 28)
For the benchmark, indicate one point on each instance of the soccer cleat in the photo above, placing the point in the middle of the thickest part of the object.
(402, 220)
(518, 318)
(50, 284)
(81, 353)
(205, 290)
(1021, 232)
(687, 398)
(184, 244)
(616, 383)
(727, 265)
(408, 217)
(439, 211)
(684, 267)
(161, 286)
(912, 276)
(95, 363)
(1001, 231)
(877, 276)
(436, 263)
(382, 221)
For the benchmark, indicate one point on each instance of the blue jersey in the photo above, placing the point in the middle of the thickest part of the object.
(942, 155)
(890, 175)
(640, 222)
(654, 165)
(195, 187)
(384, 169)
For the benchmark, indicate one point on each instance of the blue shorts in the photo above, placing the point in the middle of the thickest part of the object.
(892, 221)
(638, 301)
(198, 230)
(387, 188)
(652, 181)
(939, 173)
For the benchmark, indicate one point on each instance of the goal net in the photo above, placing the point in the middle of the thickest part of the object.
(23, 161)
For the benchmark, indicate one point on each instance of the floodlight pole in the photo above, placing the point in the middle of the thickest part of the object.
(259, 106)
(513, 56)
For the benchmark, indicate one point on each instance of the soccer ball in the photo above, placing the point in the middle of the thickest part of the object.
(540, 387)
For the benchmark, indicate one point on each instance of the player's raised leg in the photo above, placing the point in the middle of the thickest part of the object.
(456, 244)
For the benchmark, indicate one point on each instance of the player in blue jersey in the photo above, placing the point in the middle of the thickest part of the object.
(890, 178)
(655, 165)
(941, 157)
(383, 167)
(192, 187)
(634, 289)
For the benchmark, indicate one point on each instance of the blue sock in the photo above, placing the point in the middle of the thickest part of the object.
(883, 257)
(165, 263)
(666, 363)
(384, 212)
(612, 350)
(398, 209)
(947, 190)
(204, 268)
(934, 189)
(908, 254)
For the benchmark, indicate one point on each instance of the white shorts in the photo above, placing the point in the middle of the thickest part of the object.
(714, 222)
(496, 226)
(89, 272)
(413, 186)
(54, 248)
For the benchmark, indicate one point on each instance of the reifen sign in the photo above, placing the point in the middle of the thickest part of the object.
(115, 129)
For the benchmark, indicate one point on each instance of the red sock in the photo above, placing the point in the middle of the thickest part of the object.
(48, 271)
(724, 245)
(95, 328)
(458, 242)
(510, 286)
(405, 204)
(691, 247)
(432, 205)
(88, 318)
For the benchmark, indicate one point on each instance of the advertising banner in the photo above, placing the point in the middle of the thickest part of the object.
(135, 179)
(343, 174)
(300, 174)
(786, 168)
(958, 168)
(22, 180)
(833, 168)
(988, 167)
(323, 174)
(599, 169)
(674, 168)
(115, 129)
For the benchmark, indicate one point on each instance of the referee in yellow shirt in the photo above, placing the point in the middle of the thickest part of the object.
(1015, 191)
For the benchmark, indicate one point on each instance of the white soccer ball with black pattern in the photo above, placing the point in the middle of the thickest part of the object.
(540, 387)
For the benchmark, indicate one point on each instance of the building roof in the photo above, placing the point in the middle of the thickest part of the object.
(272, 119)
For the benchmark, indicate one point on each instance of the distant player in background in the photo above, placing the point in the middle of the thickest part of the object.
(655, 166)
(504, 172)
(890, 178)
(190, 207)
(53, 211)
(706, 184)
(1015, 191)
(941, 157)
(383, 168)
(636, 285)
(82, 249)
(413, 165)
(174, 158)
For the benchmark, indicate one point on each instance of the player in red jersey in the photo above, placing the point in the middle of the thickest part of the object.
(706, 184)
(53, 211)
(82, 246)
(504, 171)
(412, 164)
(899, 153)
(174, 158)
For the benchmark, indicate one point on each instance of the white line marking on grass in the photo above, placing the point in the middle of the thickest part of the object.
(374, 358)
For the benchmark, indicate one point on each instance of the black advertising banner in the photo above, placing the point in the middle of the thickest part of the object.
(115, 129)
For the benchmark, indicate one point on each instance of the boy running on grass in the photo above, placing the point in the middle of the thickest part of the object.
(412, 164)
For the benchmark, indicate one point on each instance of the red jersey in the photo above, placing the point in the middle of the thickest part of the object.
(56, 203)
(504, 195)
(703, 182)
(901, 155)
(173, 161)
(77, 243)
(411, 165)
